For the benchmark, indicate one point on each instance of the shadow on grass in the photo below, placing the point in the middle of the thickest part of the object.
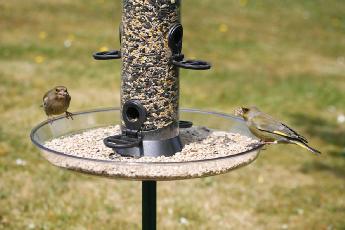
(330, 133)
(319, 166)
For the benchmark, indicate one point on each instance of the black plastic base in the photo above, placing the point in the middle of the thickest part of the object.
(153, 148)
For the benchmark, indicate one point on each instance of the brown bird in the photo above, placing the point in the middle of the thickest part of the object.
(56, 101)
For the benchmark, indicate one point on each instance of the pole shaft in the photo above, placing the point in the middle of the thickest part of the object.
(149, 204)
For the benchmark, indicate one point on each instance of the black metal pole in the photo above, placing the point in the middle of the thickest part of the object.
(149, 203)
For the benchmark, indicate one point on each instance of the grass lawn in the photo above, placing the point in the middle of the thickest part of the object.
(286, 57)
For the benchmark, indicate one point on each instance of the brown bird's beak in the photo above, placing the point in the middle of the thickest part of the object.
(62, 94)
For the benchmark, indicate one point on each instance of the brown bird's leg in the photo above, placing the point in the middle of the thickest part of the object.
(69, 115)
(50, 120)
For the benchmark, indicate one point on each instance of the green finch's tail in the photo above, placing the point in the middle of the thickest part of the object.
(305, 146)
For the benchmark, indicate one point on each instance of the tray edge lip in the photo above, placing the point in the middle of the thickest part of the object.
(42, 147)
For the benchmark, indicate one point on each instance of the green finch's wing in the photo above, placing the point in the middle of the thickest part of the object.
(268, 124)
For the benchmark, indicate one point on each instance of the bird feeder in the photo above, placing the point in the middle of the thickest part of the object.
(151, 121)
(151, 52)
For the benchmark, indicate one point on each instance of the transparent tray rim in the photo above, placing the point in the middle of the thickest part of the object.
(220, 114)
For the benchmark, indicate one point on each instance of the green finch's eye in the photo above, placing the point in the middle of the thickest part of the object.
(245, 110)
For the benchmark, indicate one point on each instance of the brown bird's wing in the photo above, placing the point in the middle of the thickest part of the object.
(68, 99)
(45, 101)
(46, 98)
(46, 95)
(266, 123)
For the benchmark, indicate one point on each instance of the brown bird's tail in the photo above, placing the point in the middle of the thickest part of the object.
(305, 146)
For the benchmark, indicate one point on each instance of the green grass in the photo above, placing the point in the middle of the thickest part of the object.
(287, 57)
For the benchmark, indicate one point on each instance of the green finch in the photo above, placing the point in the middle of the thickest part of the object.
(270, 130)
(56, 101)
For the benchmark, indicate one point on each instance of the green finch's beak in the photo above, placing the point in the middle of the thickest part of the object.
(238, 112)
